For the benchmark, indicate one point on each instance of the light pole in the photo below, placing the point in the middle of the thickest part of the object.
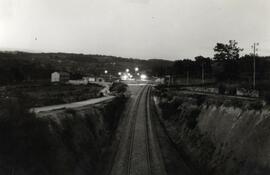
(255, 50)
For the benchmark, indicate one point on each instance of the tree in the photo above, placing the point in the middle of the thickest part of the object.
(227, 51)
(227, 57)
(204, 65)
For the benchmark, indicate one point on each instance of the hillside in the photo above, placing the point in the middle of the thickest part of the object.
(23, 66)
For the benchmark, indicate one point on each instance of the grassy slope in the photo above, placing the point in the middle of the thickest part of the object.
(218, 136)
(50, 94)
(69, 142)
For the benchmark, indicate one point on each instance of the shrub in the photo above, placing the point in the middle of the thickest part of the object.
(221, 89)
(232, 90)
(70, 111)
(234, 103)
(192, 118)
(118, 87)
(170, 108)
(257, 105)
(200, 99)
(267, 97)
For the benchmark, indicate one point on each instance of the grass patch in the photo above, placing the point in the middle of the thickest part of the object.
(118, 87)
(192, 118)
(257, 105)
(234, 103)
(49, 94)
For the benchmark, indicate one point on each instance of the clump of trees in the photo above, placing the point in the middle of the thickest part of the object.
(229, 51)
(193, 67)
(226, 61)
(226, 66)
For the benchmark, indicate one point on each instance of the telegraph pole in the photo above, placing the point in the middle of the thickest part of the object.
(255, 53)
(187, 81)
(202, 73)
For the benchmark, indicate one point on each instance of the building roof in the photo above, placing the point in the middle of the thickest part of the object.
(62, 73)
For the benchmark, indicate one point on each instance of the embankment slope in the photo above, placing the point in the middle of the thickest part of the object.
(68, 141)
(219, 136)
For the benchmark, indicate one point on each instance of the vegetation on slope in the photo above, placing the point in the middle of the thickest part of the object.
(44, 94)
(70, 142)
(215, 134)
(17, 67)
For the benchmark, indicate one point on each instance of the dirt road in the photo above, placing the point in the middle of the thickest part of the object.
(71, 105)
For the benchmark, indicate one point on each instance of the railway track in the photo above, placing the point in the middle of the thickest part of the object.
(138, 152)
(132, 135)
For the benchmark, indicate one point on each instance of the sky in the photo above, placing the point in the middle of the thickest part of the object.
(147, 29)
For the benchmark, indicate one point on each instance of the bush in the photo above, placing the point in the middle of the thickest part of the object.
(221, 89)
(118, 87)
(267, 97)
(169, 108)
(234, 103)
(70, 111)
(231, 90)
(200, 99)
(257, 105)
(192, 118)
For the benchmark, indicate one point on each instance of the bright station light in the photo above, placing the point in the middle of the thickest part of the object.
(124, 77)
(143, 77)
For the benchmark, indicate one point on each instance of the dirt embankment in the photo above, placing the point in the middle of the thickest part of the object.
(67, 142)
(219, 136)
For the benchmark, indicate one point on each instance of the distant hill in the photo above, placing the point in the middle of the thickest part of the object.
(23, 66)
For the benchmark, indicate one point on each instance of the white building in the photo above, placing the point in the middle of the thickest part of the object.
(60, 77)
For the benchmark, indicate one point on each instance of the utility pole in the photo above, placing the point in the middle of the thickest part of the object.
(202, 73)
(187, 81)
(255, 50)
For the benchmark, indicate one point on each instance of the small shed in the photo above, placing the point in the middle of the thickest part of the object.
(60, 77)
